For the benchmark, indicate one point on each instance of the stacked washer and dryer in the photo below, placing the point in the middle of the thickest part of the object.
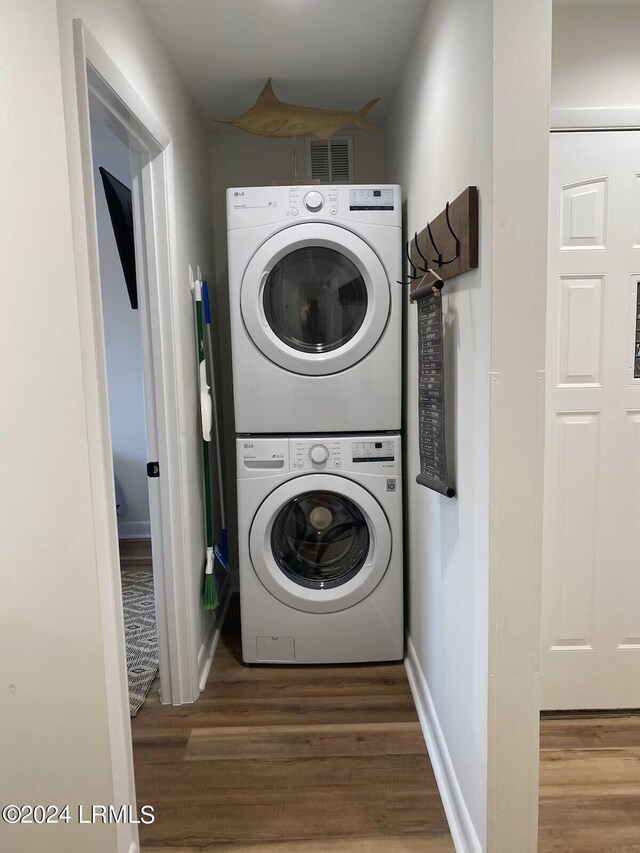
(316, 332)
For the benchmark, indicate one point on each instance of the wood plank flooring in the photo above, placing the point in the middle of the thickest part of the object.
(590, 784)
(135, 554)
(288, 760)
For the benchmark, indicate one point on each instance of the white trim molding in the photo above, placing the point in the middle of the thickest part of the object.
(97, 73)
(134, 529)
(594, 118)
(463, 833)
(153, 180)
(208, 648)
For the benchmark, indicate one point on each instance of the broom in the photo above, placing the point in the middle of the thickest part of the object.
(210, 589)
(221, 548)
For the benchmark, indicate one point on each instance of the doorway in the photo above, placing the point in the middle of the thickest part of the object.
(124, 311)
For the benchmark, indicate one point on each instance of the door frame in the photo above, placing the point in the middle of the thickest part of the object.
(153, 200)
(563, 119)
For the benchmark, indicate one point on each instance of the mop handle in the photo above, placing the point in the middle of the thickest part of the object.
(212, 385)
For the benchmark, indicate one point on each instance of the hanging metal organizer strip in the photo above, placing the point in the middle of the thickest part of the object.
(447, 247)
(431, 408)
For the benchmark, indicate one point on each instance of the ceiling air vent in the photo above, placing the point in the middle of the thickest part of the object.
(330, 160)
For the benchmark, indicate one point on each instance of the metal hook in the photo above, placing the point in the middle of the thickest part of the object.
(412, 276)
(452, 232)
(440, 261)
(413, 273)
(433, 243)
(419, 251)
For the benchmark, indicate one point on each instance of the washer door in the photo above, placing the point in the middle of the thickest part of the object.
(315, 299)
(320, 543)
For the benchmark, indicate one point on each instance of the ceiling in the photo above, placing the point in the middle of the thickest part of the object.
(326, 53)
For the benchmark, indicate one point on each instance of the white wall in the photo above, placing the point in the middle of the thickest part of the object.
(472, 108)
(521, 91)
(438, 141)
(54, 737)
(123, 343)
(596, 62)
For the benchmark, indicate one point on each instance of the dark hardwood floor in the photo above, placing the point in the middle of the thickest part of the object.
(135, 555)
(288, 759)
(590, 784)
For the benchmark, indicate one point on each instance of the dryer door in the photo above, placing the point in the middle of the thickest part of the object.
(320, 543)
(315, 299)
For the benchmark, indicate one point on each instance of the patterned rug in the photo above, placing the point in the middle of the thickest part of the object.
(141, 640)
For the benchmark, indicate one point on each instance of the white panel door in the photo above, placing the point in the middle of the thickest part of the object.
(591, 574)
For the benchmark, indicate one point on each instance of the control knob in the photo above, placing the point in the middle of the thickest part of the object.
(318, 454)
(313, 200)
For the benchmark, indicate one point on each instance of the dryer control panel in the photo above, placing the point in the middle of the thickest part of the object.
(258, 456)
(375, 204)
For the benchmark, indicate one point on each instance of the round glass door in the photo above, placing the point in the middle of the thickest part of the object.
(320, 540)
(320, 543)
(315, 299)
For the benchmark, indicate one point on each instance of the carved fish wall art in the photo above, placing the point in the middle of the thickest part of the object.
(272, 117)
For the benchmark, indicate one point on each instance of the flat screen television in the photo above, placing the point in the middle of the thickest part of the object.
(121, 212)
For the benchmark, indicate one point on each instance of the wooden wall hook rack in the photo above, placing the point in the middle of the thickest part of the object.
(447, 247)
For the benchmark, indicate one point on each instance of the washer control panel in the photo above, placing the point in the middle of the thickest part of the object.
(259, 456)
(367, 454)
(269, 455)
(315, 455)
(372, 451)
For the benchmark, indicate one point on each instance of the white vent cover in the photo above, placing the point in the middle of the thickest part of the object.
(330, 160)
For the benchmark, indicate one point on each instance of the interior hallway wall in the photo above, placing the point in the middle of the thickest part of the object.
(123, 343)
(438, 141)
(472, 108)
(596, 61)
(55, 737)
(240, 159)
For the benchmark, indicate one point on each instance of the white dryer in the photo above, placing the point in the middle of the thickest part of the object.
(316, 326)
(320, 549)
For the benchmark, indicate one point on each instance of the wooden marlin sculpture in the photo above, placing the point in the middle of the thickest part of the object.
(272, 117)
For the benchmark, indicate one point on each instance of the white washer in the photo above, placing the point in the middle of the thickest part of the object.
(320, 548)
(316, 310)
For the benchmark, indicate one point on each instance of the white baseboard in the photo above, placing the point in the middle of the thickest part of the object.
(463, 833)
(134, 529)
(208, 648)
